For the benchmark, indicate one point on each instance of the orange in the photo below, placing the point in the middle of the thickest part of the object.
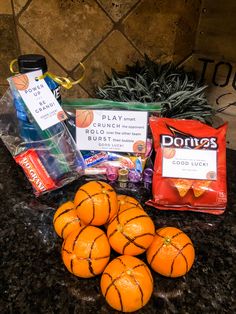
(126, 202)
(96, 203)
(131, 231)
(171, 253)
(86, 252)
(127, 283)
(66, 220)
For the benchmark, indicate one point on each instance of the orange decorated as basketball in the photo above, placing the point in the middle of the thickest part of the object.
(131, 231)
(168, 152)
(86, 252)
(139, 147)
(171, 253)
(21, 82)
(84, 118)
(127, 283)
(66, 220)
(96, 203)
(127, 202)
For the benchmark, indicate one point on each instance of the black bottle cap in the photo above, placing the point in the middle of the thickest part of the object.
(32, 62)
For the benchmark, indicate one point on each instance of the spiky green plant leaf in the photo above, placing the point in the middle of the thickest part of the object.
(178, 91)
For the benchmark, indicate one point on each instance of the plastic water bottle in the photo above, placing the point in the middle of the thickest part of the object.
(28, 63)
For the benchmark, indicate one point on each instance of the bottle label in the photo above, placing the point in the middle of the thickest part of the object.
(38, 98)
(35, 171)
(56, 93)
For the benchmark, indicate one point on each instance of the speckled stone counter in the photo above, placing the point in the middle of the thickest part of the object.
(34, 280)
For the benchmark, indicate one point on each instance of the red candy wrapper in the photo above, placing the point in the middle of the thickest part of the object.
(190, 166)
(35, 171)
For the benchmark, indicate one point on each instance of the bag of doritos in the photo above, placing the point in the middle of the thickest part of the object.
(190, 166)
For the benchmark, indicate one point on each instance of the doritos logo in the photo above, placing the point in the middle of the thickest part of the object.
(190, 142)
(184, 140)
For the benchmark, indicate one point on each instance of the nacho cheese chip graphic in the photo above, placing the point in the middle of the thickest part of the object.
(182, 185)
(200, 186)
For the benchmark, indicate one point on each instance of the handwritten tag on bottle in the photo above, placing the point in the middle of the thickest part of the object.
(38, 99)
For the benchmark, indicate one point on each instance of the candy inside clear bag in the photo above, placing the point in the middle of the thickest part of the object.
(117, 167)
(49, 158)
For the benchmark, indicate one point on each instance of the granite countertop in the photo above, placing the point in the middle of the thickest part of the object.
(34, 279)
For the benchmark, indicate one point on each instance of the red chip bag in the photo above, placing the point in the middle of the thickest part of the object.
(190, 166)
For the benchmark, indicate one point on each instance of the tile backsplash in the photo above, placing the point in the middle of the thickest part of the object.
(102, 34)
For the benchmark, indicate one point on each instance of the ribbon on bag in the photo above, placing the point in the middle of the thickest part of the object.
(61, 80)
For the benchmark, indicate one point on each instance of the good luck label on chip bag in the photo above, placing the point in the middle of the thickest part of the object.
(190, 166)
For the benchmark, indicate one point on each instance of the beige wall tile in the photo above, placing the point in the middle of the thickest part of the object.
(3, 88)
(5, 7)
(69, 30)
(18, 5)
(75, 92)
(151, 30)
(189, 12)
(8, 46)
(163, 31)
(28, 45)
(115, 52)
(116, 9)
